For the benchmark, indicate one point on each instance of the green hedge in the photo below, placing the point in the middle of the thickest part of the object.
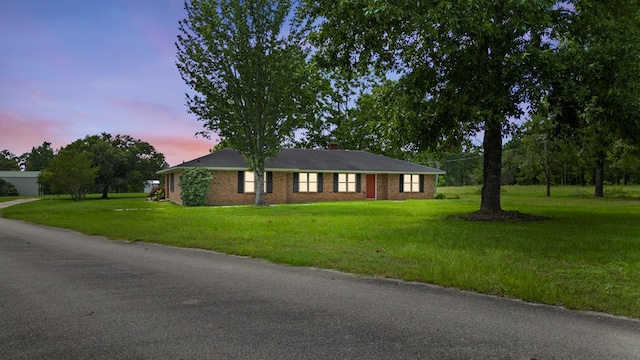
(195, 186)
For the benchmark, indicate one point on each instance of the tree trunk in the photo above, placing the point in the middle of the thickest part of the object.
(259, 187)
(76, 194)
(492, 168)
(599, 176)
(548, 187)
(547, 171)
(105, 190)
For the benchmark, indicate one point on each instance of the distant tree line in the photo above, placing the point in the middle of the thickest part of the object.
(95, 164)
(35, 160)
(539, 156)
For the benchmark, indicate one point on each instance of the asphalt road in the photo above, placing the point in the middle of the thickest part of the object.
(68, 296)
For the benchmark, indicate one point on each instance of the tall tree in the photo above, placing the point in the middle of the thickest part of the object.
(540, 160)
(247, 68)
(38, 158)
(624, 161)
(139, 163)
(598, 83)
(123, 163)
(9, 161)
(340, 97)
(463, 166)
(70, 171)
(463, 66)
(104, 157)
(356, 118)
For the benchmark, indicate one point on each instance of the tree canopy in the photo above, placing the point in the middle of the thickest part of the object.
(463, 67)
(71, 172)
(247, 68)
(123, 162)
(354, 118)
(38, 158)
(596, 89)
(9, 161)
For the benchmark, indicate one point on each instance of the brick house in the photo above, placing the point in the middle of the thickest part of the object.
(306, 175)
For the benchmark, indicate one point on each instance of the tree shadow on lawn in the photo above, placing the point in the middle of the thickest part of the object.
(501, 216)
(116, 196)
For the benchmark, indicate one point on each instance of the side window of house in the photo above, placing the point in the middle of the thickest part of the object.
(346, 182)
(411, 183)
(247, 184)
(171, 182)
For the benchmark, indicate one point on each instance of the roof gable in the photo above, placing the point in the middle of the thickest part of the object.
(310, 160)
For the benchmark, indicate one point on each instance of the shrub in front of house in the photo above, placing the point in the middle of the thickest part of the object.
(7, 188)
(157, 193)
(194, 185)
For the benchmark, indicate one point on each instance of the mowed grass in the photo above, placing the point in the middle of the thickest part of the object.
(586, 257)
(11, 198)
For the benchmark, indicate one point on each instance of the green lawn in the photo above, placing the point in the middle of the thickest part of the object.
(11, 198)
(586, 257)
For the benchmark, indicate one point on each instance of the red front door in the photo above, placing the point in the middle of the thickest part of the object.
(371, 186)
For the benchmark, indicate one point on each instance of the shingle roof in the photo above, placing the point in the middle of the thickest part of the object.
(308, 160)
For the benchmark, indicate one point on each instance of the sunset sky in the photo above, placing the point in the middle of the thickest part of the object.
(71, 68)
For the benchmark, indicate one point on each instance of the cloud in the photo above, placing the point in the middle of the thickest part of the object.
(157, 24)
(19, 133)
(169, 129)
(160, 114)
(79, 69)
(177, 149)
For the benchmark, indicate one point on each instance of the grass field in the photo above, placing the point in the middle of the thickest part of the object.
(587, 256)
(11, 198)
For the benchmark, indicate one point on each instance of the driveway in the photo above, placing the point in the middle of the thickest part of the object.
(64, 295)
(15, 202)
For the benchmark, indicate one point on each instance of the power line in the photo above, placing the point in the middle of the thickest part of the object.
(462, 159)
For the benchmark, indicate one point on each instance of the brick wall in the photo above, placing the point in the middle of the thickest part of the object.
(224, 190)
(393, 188)
(175, 194)
(327, 193)
(383, 186)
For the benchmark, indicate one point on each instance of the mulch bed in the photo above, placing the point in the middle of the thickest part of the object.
(502, 216)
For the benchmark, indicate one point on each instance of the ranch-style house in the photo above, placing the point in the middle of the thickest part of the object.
(308, 175)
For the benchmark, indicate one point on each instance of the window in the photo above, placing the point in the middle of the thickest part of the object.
(171, 182)
(247, 184)
(411, 183)
(346, 182)
(308, 182)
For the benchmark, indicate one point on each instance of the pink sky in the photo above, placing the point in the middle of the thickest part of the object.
(71, 68)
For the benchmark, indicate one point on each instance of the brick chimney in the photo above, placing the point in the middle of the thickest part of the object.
(333, 146)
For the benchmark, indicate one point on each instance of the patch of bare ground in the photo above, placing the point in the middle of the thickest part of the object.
(501, 216)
